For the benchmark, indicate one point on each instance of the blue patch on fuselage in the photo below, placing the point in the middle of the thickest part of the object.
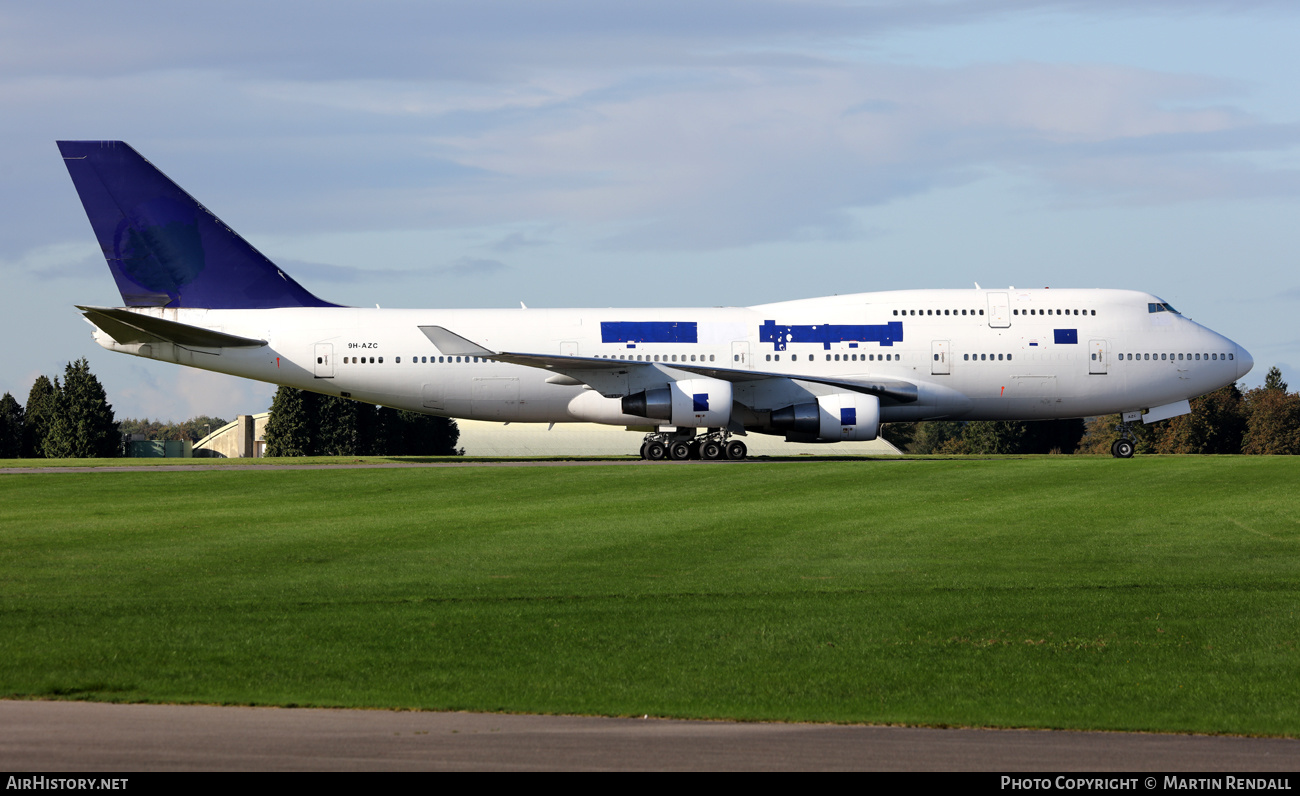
(826, 333)
(1067, 336)
(648, 332)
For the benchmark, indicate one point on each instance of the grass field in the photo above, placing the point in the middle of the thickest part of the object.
(1159, 593)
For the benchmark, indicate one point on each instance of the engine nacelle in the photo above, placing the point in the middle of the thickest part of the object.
(689, 403)
(841, 416)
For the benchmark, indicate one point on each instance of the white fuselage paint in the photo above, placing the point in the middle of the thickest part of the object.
(951, 357)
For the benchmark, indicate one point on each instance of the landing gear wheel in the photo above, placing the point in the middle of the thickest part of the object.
(655, 451)
(679, 451)
(1122, 449)
(711, 450)
(643, 444)
(695, 449)
(736, 450)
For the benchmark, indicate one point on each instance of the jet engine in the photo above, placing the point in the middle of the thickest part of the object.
(689, 403)
(841, 416)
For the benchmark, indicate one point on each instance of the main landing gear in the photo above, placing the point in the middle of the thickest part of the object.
(716, 445)
(1123, 447)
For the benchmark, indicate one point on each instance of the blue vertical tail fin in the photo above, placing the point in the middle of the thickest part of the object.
(163, 247)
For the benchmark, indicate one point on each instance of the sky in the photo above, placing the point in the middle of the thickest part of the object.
(642, 154)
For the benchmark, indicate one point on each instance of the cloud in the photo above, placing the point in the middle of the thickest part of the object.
(171, 393)
(490, 40)
(471, 267)
(58, 261)
(516, 240)
(665, 125)
(307, 272)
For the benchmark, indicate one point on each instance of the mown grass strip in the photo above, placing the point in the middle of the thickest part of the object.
(1153, 594)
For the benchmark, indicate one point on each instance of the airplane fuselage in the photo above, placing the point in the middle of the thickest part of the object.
(971, 354)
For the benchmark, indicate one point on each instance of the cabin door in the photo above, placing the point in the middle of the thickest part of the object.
(939, 365)
(999, 310)
(740, 355)
(324, 360)
(1097, 357)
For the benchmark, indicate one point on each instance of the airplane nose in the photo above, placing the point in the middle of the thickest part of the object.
(1244, 362)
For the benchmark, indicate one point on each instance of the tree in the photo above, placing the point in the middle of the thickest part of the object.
(994, 436)
(1272, 418)
(1216, 424)
(931, 435)
(1052, 436)
(81, 425)
(346, 428)
(289, 429)
(37, 416)
(1273, 381)
(426, 435)
(194, 429)
(11, 428)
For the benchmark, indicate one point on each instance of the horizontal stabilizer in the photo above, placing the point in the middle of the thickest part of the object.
(128, 327)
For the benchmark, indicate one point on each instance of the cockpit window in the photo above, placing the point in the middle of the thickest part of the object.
(1162, 307)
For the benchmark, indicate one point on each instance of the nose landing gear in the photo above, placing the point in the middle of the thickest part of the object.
(1124, 447)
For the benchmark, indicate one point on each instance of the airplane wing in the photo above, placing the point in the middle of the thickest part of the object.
(128, 327)
(451, 343)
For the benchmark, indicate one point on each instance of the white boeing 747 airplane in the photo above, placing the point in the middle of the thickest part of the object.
(695, 379)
